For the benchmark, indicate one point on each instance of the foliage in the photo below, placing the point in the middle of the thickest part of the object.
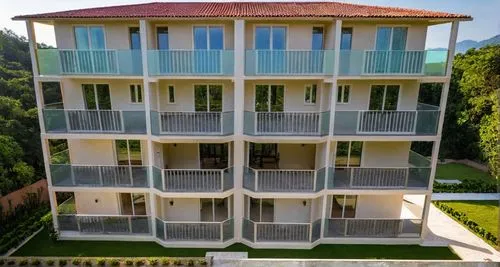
(50, 262)
(472, 225)
(467, 186)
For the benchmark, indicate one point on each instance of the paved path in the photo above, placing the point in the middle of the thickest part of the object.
(442, 231)
(466, 196)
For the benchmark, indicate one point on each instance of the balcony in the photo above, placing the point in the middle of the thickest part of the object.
(281, 232)
(192, 123)
(89, 62)
(94, 121)
(373, 228)
(195, 231)
(191, 62)
(289, 62)
(196, 180)
(105, 225)
(287, 123)
(299, 181)
(375, 122)
(395, 62)
(99, 176)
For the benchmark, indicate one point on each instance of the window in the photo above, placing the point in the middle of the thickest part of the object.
(208, 37)
(391, 38)
(128, 152)
(208, 97)
(213, 156)
(89, 37)
(317, 38)
(96, 96)
(135, 38)
(343, 206)
(348, 154)
(310, 94)
(343, 94)
(261, 209)
(384, 97)
(135, 93)
(171, 94)
(215, 209)
(346, 39)
(132, 204)
(269, 98)
(263, 156)
(270, 38)
(162, 38)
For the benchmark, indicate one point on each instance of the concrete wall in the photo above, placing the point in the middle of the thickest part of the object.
(379, 206)
(13, 199)
(106, 203)
(360, 94)
(183, 209)
(297, 156)
(292, 210)
(98, 152)
(181, 156)
(385, 154)
(184, 94)
(119, 91)
(346, 263)
(294, 94)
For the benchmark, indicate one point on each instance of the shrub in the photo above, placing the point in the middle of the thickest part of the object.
(11, 262)
(153, 262)
(140, 262)
(35, 262)
(63, 262)
(177, 262)
(165, 262)
(76, 261)
(23, 262)
(129, 262)
(190, 263)
(202, 262)
(87, 262)
(2, 262)
(114, 262)
(101, 262)
(50, 262)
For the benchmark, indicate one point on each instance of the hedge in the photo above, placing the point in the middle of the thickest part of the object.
(467, 186)
(91, 261)
(473, 226)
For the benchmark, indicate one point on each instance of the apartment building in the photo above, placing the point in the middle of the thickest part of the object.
(268, 124)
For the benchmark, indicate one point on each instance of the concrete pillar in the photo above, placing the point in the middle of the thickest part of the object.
(239, 147)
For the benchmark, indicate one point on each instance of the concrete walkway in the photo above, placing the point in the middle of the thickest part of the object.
(466, 196)
(444, 231)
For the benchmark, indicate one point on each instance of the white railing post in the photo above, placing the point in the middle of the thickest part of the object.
(314, 180)
(130, 224)
(222, 179)
(310, 232)
(163, 180)
(222, 231)
(255, 232)
(256, 180)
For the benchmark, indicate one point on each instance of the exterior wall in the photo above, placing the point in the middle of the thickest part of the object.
(119, 91)
(292, 210)
(321, 153)
(385, 154)
(91, 152)
(183, 209)
(294, 94)
(360, 94)
(379, 206)
(317, 208)
(13, 199)
(289, 159)
(184, 95)
(106, 203)
(181, 156)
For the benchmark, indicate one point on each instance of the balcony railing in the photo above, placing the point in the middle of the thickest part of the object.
(382, 228)
(99, 176)
(94, 121)
(192, 123)
(191, 62)
(105, 224)
(284, 180)
(287, 123)
(374, 122)
(194, 180)
(281, 232)
(289, 62)
(195, 231)
(89, 62)
(395, 62)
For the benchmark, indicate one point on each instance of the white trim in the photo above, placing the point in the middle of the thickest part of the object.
(168, 94)
(343, 89)
(136, 93)
(311, 87)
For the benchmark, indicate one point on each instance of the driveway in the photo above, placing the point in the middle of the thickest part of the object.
(442, 231)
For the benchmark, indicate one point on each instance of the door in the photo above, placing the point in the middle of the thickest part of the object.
(317, 53)
(269, 98)
(132, 204)
(384, 97)
(208, 98)
(390, 48)
(345, 52)
(96, 96)
(270, 45)
(208, 44)
(263, 156)
(213, 156)
(91, 55)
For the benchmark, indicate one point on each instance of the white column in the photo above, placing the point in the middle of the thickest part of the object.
(333, 102)
(442, 106)
(239, 147)
(147, 107)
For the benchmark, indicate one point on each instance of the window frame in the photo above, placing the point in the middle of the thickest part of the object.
(128, 151)
(136, 94)
(310, 87)
(168, 94)
(270, 25)
(207, 26)
(349, 148)
(343, 206)
(341, 100)
(392, 26)
(89, 35)
(130, 36)
(323, 33)
(156, 36)
(385, 92)
(208, 96)
(269, 93)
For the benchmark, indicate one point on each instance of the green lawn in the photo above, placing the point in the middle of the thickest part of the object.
(459, 171)
(41, 245)
(484, 213)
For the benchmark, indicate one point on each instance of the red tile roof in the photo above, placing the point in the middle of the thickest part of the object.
(243, 9)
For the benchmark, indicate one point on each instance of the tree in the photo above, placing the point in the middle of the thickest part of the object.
(14, 172)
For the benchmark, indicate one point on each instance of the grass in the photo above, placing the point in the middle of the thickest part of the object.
(459, 171)
(41, 245)
(484, 213)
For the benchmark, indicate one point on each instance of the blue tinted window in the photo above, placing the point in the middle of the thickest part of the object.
(279, 38)
(383, 38)
(262, 38)
(200, 37)
(81, 38)
(346, 39)
(317, 38)
(135, 38)
(216, 38)
(97, 38)
(399, 38)
(162, 38)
